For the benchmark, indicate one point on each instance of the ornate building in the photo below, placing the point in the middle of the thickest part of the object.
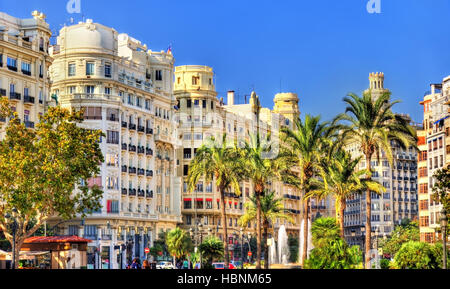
(126, 91)
(24, 61)
(399, 202)
(434, 151)
(202, 115)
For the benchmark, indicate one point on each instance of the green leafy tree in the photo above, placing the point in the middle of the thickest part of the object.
(331, 252)
(402, 234)
(293, 248)
(370, 123)
(212, 249)
(307, 143)
(441, 188)
(44, 172)
(342, 179)
(179, 244)
(324, 230)
(221, 163)
(272, 208)
(417, 255)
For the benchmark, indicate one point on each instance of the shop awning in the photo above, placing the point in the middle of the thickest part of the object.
(187, 199)
(209, 200)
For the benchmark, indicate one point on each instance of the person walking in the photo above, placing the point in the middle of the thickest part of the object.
(185, 264)
(145, 265)
(136, 264)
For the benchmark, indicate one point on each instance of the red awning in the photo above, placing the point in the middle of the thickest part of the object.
(209, 200)
(218, 200)
(235, 203)
(56, 239)
(199, 200)
(230, 202)
(187, 199)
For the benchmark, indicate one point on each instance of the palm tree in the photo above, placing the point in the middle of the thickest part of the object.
(342, 179)
(272, 208)
(370, 123)
(178, 243)
(219, 162)
(262, 165)
(306, 142)
(212, 249)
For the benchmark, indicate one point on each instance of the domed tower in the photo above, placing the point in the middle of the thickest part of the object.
(376, 84)
(286, 104)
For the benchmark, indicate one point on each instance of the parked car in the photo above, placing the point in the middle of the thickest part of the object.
(221, 265)
(164, 265)
(236, 264)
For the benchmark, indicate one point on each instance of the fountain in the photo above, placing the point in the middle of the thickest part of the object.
(283, 248)
(272, 252)
(310, 245)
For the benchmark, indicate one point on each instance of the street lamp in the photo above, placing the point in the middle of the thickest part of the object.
(14, 228)
(444, 223)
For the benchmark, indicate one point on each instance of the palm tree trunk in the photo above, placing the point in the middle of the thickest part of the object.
(266, 248)
(258, 231)
(368, 240)
(305, 230)
(225, 227)
(341, 217)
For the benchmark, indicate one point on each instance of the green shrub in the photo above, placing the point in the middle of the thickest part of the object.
(418, 255)
(385, 263)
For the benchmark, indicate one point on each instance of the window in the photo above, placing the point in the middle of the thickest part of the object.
(112, 137)
(12, 63)
(108, 70)
(71, 89)
(90, 66)
(94, 113)
(188, 103)
(195, 80)
(208, 203)
(90, 89)
(112, 160)
(73, 230)
(185, 170)
(107, 90)
(204, 103)
(26, 68)
(158, 75)
(198, 136)
(199, 203)
(90, 231)
(187, 136)
(187, 204)
(188, 219)
(196, 102)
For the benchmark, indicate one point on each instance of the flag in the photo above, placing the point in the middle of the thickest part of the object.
(169, 50)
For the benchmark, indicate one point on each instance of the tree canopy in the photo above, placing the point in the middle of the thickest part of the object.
(46, 171)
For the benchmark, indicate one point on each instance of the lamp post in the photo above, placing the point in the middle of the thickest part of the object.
(14, 228)
(241, 233)
(444, 223)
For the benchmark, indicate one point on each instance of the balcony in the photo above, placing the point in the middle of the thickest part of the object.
(132, 192)
(149, 151)
(132, 170)
(141, 172)
(149, 130)
(149, 173)
(132, 126)
(141, 128)
(131, 148)
(124, 124)
(12, 68)
(124, 169)
(149, 194)
(29, 124)
(124, 146)
(113, 118)
(141, 150)
(28, 99)
(124, 191)
(2, 92)
(15, 96)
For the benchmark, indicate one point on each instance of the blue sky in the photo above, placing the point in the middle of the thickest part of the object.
(319, 49)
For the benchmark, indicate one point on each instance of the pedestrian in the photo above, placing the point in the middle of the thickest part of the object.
(185, 264)
(136, 264)
(145, 265)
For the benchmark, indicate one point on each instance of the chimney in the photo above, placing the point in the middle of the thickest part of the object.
(230, 97)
